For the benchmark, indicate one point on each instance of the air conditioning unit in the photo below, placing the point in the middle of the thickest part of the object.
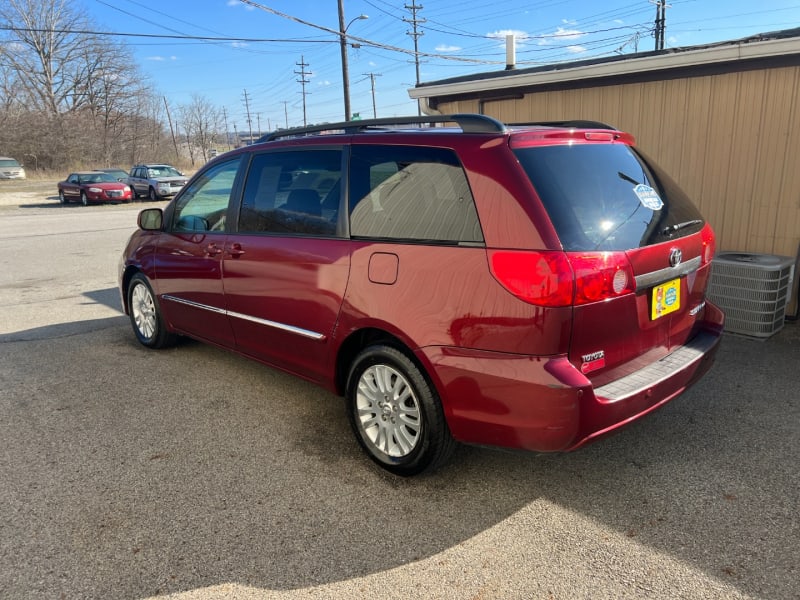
(752, 290)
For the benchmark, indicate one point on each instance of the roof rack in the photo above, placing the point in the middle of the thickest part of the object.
(469, 123)
(576, 123)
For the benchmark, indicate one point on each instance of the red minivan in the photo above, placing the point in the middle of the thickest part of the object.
(455, 278)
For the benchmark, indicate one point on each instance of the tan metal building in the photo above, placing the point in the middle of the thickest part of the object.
(723, 119)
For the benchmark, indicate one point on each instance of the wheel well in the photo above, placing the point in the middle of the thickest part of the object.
(126, 279)
(361, 339)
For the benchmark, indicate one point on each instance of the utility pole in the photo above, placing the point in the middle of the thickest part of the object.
(303, 81)
(171, 130)
(372, 77)
(286, 113)
(227, 136)
(236, 135)
(246, 98)
(661, 22)
(415, 33)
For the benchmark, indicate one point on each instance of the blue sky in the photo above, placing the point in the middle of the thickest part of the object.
(459, 37)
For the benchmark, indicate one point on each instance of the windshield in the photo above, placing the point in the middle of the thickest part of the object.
(97, 178)
(163, 172)
(607, 197)
(9, 162)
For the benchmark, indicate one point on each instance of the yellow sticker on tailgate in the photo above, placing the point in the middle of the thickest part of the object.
(666, 298)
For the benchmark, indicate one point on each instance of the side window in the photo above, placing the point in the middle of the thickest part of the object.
(293, 192)
(411, 194)
(203, 205)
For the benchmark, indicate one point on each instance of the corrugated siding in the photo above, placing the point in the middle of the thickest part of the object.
(730, 140)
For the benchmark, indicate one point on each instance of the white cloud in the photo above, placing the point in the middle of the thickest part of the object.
(444, 48)
(520, 37)
(324, 83)
(568, 34)
(576, 49)
(502, 33)
(239, 44)
(237, 3)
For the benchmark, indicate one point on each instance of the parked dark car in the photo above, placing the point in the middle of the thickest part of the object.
(534, 286)
(93, 186)
(118, 174)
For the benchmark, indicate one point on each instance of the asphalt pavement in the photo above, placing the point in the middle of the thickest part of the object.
(194, 473)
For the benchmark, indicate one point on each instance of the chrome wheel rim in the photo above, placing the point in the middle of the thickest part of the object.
(388, 411)
(143, 309)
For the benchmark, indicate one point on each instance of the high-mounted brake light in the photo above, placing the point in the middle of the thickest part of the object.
(547, 278)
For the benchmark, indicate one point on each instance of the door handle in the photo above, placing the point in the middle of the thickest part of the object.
(213, 250)
(235, 250)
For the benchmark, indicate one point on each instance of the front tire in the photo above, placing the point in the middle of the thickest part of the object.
(153, 195)
(61, 197)
(145, 315)
(84, 199)
(395, 412)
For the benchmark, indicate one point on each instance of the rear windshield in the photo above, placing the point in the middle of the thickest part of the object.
(607, 197)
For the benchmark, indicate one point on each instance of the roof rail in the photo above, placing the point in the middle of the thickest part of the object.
(575, 123)
(469, 123)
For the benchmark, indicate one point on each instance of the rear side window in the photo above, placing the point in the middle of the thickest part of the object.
(411, 194)
(607, 197)
(293, 192)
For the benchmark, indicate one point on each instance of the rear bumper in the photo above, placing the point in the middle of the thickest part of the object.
(546, 404)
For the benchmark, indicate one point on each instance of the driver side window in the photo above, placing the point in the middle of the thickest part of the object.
(203, 205)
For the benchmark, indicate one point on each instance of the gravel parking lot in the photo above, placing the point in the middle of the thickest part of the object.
(193, 473)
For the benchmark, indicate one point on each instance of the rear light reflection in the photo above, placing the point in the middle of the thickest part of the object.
(709, 244)
(562, 278)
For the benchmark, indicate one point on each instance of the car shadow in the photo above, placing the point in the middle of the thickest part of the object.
(182, 469)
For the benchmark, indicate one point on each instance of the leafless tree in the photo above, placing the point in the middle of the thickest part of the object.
(71, 97)
(201, 123)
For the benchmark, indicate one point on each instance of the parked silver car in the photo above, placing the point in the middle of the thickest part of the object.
(156, 181)
(11, 169)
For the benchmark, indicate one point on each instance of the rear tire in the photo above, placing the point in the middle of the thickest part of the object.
(61, 197)
(395, 412)
(145, 315)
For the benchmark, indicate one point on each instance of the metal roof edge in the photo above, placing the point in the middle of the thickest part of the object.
(563, 72)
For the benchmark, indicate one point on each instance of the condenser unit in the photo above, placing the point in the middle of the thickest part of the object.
(752, 290)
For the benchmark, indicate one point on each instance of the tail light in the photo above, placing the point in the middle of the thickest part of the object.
(562, 278)
(709, 244)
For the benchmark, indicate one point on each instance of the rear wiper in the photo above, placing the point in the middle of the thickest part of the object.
(673, 228)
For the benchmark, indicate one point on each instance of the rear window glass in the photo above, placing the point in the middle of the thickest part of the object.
(607, 197)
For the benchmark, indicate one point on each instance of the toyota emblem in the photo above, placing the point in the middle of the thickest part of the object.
(675, 257)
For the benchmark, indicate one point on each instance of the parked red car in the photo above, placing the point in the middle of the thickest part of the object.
(533, 286)
(93, 186)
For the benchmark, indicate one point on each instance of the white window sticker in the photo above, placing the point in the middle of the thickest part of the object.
(648, 197)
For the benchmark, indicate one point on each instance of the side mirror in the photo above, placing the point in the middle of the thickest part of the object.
(151, 219)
